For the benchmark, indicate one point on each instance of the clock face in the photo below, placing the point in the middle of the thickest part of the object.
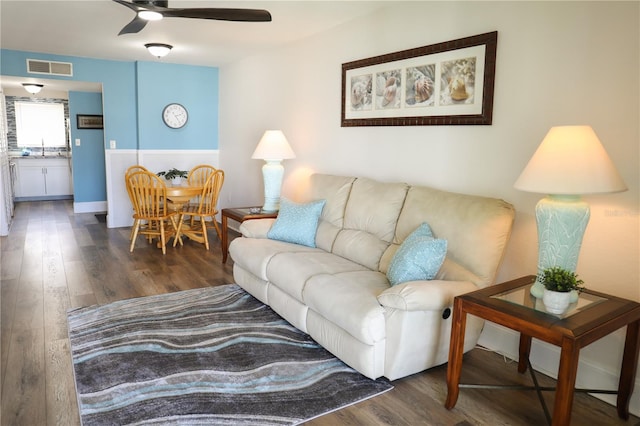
(175, 116)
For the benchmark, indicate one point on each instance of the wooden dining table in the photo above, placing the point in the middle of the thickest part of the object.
(179, 195)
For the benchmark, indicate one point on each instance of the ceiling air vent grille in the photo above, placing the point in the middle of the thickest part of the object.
(49, 67)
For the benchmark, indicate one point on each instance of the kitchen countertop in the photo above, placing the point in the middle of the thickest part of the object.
(38, 157)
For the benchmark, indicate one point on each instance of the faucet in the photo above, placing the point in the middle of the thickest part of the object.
(43, 147)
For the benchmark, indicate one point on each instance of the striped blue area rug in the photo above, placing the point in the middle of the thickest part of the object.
(209, 356)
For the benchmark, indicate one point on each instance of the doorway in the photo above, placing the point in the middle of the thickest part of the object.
(83, 151)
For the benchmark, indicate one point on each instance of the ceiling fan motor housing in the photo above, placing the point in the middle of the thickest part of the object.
(159, 3)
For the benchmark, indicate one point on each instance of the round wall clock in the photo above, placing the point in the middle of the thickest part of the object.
(175, 116)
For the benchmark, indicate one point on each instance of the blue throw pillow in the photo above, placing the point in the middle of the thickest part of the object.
(419, 257)
(423, 230)
(297, 223)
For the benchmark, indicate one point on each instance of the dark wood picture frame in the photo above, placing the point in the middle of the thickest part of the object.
(87, 121)
(449, 83)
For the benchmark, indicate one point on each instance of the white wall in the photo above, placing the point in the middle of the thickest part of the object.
(119, 160)
(557, 63)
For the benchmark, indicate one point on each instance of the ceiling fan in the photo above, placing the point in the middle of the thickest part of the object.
(154, 10)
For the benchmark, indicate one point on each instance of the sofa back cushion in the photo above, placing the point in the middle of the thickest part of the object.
(476, 228)
(366, 221)
(335, 190)
(370, 218)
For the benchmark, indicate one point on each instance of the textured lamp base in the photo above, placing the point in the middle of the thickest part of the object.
(272, 173)
(561, 220)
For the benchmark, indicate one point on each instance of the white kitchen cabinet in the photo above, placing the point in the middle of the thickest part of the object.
(43, 177)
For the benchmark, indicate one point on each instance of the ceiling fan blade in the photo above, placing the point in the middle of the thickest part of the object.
(134, 26)
(220, 14)
(238, 15)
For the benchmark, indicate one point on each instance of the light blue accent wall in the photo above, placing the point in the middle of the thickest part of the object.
(89, 177)
(118, 85)
(133, 97)
(195, 88)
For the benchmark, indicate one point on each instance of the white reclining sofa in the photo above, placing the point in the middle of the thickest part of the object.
(339, 291)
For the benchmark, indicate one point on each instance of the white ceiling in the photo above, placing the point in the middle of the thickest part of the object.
(89, 28)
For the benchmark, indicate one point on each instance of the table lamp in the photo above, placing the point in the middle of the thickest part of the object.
(272, 148)
(569, 162)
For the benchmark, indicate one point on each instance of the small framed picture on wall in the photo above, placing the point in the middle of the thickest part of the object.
(85, 121)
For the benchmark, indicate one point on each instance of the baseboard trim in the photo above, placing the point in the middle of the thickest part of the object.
(90, 207)
(545, 357)
(44, 198)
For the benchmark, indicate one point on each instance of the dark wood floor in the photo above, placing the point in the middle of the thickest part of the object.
(54, 260)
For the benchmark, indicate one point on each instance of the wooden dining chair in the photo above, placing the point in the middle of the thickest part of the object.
(199, 174)
(129, 172)
(151, 216)
(203, 211)
(135, 168)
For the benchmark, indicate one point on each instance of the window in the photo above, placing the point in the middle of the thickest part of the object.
(40, 124)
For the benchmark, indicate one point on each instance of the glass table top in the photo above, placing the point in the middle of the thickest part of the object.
(250, 210)
(522, 296)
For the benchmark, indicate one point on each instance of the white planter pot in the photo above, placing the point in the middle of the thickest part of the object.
(556, 302)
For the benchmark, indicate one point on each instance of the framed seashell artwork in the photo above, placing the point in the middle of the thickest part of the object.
(449, 83)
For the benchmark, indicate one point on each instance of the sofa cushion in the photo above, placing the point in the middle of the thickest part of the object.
(424, 230)
(419, 257)
(370, 221)
(292, 271)
(254, 254)
(297, 223)
(349, 300)
(336, 190)
(476, 228)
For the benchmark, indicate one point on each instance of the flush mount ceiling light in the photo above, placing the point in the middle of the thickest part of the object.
(32, 87)
(158, 49)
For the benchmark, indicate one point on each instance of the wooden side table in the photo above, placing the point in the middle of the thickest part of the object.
(239, 214)
(594, 316)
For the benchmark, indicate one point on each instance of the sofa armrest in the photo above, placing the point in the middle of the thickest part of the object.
(256, 228)
(424, 295)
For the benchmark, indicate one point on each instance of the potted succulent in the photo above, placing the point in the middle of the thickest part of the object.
(174, 175)
(559, 284)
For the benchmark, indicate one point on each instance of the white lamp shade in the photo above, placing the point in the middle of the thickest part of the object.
(570, 161)
(273, 146)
